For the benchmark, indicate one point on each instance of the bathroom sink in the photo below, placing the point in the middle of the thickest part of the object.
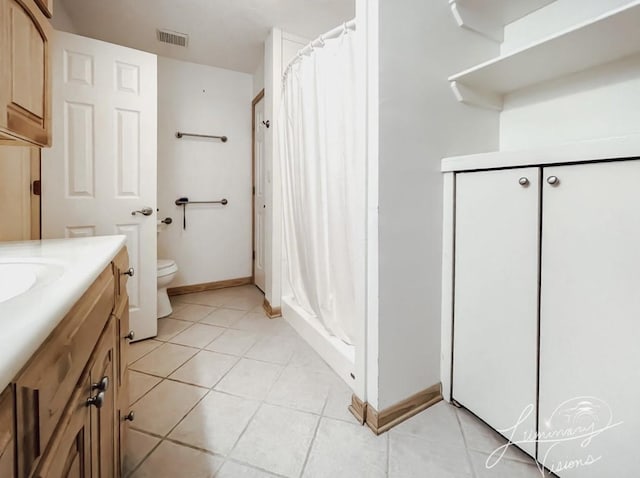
(18, 277)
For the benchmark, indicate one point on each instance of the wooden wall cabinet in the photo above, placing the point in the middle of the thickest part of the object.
(66, 413)
(25, 81)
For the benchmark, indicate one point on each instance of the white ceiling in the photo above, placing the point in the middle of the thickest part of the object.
(224, 33)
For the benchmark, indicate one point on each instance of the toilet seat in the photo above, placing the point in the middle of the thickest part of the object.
(166, 267)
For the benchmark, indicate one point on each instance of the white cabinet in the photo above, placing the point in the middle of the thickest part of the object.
(547, 310)
(496, 295)
(590, 317)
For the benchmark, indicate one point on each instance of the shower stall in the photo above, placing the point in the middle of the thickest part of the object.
(323, 177)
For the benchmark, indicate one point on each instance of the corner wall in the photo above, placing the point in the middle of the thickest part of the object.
(420, 122)
(216, 244)
(597, 103)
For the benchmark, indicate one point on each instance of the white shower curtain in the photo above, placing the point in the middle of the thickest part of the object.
(322, 183)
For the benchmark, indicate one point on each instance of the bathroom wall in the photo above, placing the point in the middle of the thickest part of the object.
(61, 20)
(596, 103)
(280, 47)
(216, 244)
(258, 78)
(420, 122)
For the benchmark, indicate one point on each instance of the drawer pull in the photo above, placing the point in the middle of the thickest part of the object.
(553, 180)
(96, 401)
(130, 336)
(102, 385)
(130, 416)
(129, 272)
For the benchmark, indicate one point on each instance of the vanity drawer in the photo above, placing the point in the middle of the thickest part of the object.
(45, 385)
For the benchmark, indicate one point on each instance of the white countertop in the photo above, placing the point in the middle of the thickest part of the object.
(615, 148)
(66, 268)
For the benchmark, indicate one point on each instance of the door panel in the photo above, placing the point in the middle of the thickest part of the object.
(102, 166)
(259, 196)
(590, 316)
(496, 297)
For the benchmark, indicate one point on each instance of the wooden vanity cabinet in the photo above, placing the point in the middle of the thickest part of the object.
(7, 434)
(25, 80)
(64, 414)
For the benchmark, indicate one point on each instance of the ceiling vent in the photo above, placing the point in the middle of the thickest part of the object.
(173, 38)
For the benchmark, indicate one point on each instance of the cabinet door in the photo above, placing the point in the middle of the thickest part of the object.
(7, 435)
(26, 112)
(122, 319)
(590, 318)
(495, 343)
(70, 453)
(104, 418)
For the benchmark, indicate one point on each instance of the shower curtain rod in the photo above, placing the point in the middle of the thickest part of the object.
(318, 42)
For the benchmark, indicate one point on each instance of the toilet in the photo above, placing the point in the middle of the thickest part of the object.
(167, 270)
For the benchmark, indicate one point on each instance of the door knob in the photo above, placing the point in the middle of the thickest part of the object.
(553, 180)
(102, 385)
(145, 211)
(96, 401)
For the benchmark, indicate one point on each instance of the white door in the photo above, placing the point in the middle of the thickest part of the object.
(590, 318)
(495, 349)
(259, 196)
(102, 165)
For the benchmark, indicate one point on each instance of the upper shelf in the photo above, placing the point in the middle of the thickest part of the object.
(488, 17)
(606, 38)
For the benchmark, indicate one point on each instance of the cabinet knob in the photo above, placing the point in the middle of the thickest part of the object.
(553, 180)
(130, 272)
(523, 181)
(96, 401)
(131, 416)
(102, 385)
(130, 336)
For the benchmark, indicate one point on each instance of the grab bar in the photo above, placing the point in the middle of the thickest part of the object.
(185, 201)
(180, 134)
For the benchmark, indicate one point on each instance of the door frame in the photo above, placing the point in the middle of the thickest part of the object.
(259, 97)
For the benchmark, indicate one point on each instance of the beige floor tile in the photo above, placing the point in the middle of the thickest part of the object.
(504, 468)
(250, 379)
(480, 437)
(171, 460)
(305, 356)
(216, 423)
(192, 312)
(198, 335)
(412, 456)
(261, 324)
(441, 417)
(339, 400)
(169, 327)
(212, 298)
(302, 389)
(142, 348)
(164, 406)
(205, 369)
(277, 440)
(274, 348)
(243, 303)
(234, 342)
(139, 384)
(236, 470)
(164, 360)
(344, 449)
(138, 446)
(223, 317)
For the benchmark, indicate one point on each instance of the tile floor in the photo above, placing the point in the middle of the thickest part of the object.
(225, 392)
